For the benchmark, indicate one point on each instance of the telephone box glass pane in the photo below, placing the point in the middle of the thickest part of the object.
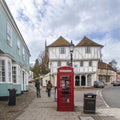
(65, 90)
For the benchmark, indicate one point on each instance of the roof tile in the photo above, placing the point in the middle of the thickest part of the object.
(87, 42)
(60, 42)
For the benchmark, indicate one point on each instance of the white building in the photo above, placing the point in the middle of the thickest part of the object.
(86, 55)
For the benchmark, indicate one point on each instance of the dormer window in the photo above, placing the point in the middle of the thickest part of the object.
(62, 50)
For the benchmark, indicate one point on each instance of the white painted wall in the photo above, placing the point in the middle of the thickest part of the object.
(78, 55)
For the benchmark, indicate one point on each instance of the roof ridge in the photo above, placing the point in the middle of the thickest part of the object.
(61, 41)
(88, 42)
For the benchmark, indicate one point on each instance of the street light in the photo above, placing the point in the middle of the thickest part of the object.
(71, 51)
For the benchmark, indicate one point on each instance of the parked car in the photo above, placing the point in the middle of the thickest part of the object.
(116, 83)
(99, 84)
(112, 82)
(30, 81)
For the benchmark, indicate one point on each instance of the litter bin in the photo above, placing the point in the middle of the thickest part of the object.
(89, 103)
(12, 97)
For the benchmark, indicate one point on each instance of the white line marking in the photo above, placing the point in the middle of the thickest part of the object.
(103, 99)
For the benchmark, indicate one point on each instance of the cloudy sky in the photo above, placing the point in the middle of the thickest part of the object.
(46, 20)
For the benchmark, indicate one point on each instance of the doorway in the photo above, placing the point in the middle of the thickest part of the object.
(83, 80)
(77, 81)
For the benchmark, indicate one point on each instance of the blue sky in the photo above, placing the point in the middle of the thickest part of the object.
(46, 20)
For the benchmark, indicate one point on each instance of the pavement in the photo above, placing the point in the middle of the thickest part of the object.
(29, 107)
(45, 108)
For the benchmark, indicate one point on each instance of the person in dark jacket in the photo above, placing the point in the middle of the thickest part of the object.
(49, 87)
(37, 85)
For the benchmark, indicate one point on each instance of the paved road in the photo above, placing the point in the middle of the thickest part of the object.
(111, 95)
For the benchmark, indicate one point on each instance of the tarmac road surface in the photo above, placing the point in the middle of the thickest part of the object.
(111, 95)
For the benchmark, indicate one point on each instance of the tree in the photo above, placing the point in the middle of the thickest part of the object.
(36, 68)
(44, 60)
(41, 64)
(113, 64)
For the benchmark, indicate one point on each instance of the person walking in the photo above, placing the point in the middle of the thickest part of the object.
(49, 87)
(37, 85)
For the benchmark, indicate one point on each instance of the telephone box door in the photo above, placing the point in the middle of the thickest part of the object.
(65, 84)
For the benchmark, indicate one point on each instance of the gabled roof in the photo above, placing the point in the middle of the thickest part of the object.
(103, 65)
(118, 73)
(87, 42)
(60, 42)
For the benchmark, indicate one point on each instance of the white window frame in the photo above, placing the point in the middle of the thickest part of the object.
(88, 49)
(23, 52)
(18, 47)
(75, 66)
(59, 63)
(27, 58)
(9, 34)
(81, 63)
(90, 63)
(68, 63)
(9, 71)
(2, 71)
(14, 74)
(89, 78)
(62, 50)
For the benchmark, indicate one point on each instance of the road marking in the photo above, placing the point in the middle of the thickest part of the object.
(99, 92)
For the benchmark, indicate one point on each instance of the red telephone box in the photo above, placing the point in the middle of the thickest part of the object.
(65, 89)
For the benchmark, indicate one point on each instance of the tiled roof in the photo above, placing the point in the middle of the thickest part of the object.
(87, 42)
(102, 65)
(60, 42)
(118, 73)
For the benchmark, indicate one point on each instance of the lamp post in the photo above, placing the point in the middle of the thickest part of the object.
(71, 52)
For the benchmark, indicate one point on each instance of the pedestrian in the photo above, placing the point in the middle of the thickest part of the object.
(49, 87)
(37, 85)
(46, 85)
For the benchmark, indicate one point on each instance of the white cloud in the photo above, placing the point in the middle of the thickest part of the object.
(40, 20)
(111, 49)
